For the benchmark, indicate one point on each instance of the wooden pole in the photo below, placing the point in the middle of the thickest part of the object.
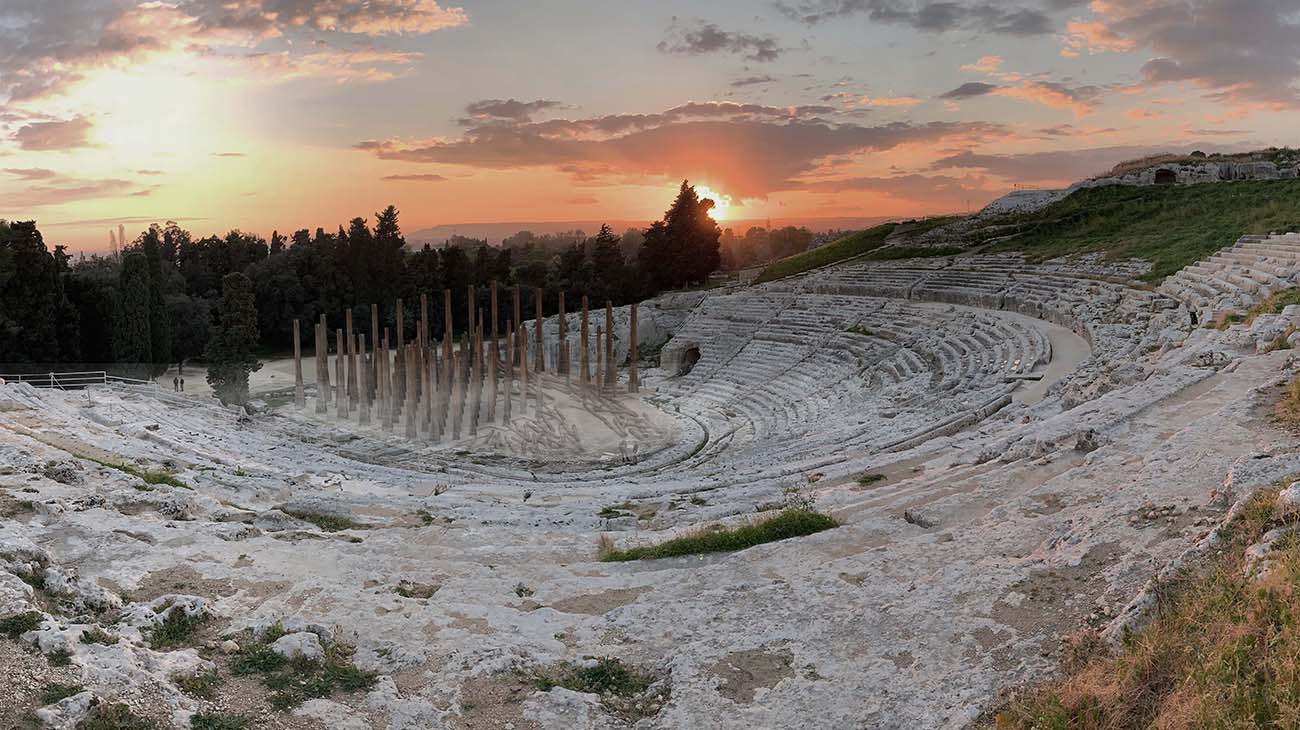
(341, 387)
(611, 368)
(585, 342)
(299, 399)
(539, 360)
(633, 382)
(323, 372)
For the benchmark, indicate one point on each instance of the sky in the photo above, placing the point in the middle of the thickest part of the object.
(287, 114)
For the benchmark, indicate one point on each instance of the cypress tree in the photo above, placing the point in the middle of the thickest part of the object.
(230, 348)
(132, 338)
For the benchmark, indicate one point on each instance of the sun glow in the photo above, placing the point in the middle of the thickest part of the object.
(721, 203)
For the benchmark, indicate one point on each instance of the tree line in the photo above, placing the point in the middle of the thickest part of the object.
(169, 297)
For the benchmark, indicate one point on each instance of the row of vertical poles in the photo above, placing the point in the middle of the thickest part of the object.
(445, 393)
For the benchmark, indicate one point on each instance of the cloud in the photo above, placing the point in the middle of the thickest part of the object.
(150, 172)
(365, 17)
(582, 200)
(747, 150)
(46, 45)
(700, 38)
(31, 173)
(62, 190)
(508, 109)
(1245, 53)
(940, 189)
(1080, 99)
(939, 16)
(890, 101)
(752, 80)
(1056, 166)
(985, 65)
(969, 90)
(62, 135)
(428, 177)
(228, 154)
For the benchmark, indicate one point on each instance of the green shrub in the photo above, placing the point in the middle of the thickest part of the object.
(788, 523)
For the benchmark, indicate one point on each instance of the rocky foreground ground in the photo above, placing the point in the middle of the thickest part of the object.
(192, 562)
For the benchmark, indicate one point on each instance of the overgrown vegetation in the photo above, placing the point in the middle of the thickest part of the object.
(20, 623)
(217, 721)
(624, 691)
(175, 630)
(96, 635)
(867, 480)
(790, 522)
(1274, 303)
(203, 685)
(114, 717)
(1287, 409)
(845, 248)
(894, 253)
(149, 477)
(328, 523)
(1219, 651)
(56, 692)
(292, 681)
(605, 676)
(1169, 225)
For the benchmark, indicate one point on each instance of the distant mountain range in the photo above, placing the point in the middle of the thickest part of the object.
(495, 232)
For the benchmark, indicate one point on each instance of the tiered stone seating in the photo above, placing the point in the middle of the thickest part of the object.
(1236, 278)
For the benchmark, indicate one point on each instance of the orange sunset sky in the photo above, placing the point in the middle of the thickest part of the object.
(287, 114)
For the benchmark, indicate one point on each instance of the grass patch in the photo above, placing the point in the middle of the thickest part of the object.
(607, 676)
(59, 658)
(217, 721)
(848, 247)
(1275, 303)
(204, 686)
(788, 523)
(175, 630)
(19, 624)
(1169, 225)
(55, 692)
(293, 681)
(327, 523)
(149, 477)
(97, 635)
(611, 513)
(624, 691)
(114, 717)
(1287, 409)
(867, 480)
(1219, 650)
(893, 253)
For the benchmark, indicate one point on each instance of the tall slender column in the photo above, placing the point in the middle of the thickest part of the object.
(475, 374)
(509, 371)
(562, 358)
(408, 410)
(457, 394)
(381, 379)
(341, 387)
(585, 344)
(399, 366)
(322, 370)
(600, 360)
(350, 360)
(373, 377)
(298, 399)
(493, 357)
(611, 368)
(633, 382)
(539, 359)
(363, 416)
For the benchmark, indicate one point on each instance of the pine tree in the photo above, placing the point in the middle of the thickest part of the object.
(132, 334)
(230, 349)
(160, 330)
(682, 249)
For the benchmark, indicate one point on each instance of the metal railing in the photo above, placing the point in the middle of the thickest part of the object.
(71, 380)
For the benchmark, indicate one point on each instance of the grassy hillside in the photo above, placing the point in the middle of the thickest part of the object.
(857, 244)
(1170, 226)
(1219, 651)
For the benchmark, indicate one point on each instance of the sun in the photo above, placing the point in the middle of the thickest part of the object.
(721, 210)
